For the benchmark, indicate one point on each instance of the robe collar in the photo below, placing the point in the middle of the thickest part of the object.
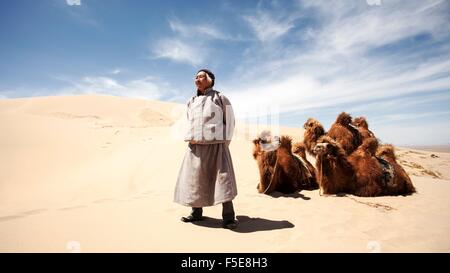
(209, 89)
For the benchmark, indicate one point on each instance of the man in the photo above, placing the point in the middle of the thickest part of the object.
(206, 177)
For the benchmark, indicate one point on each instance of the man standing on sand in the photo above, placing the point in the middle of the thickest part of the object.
(206, 177)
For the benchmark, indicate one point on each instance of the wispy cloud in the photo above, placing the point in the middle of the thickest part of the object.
(410, 116)
(83, 14)
(203, 31)
(266, 27)
(116, 71)
(179, 51)
(139, 88)
(354, 27)
(189, 43)
(148, 87)
(401, 103)
(100, 84)
(73, 2)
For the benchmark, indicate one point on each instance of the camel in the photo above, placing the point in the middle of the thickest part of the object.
(360, 173)
(313, 131)
(280, 170)
(363, 127)
(345, 133)
(387, 152)
(334, 172)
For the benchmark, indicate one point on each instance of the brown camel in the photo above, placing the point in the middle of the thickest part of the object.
(334, 172)
(402, 183)
(345, 133)
(361, 173)
(280, 170)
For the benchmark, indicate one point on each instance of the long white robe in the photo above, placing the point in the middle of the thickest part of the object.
(207, 176)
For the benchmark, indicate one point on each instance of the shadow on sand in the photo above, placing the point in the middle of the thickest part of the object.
(277, 194)
(247, 224)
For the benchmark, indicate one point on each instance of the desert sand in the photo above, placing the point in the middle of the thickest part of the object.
(95, 173)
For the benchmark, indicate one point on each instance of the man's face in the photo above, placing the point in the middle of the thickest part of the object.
(201, 81)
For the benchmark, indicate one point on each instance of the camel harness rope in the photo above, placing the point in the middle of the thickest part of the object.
(271, 178)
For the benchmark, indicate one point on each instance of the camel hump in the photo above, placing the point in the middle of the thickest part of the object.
(286, 142)
(370, 145)
(344, 119)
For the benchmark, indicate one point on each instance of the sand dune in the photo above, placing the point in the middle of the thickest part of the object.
(96, 173)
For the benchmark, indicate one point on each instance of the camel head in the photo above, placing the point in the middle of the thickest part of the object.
(386, 151)
(313, 128)
(344, 119)
(256, 148)
(328, 147)
(361, 122)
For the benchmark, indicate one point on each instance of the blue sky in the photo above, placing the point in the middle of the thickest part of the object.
(386, 60)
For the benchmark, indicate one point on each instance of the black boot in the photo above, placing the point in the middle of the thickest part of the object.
(196, 215)
(228, 216)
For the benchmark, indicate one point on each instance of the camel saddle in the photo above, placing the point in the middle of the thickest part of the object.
(388, 172)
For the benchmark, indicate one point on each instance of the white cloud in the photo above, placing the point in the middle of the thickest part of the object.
(190, 43)
(101, 84)
(352, 27)
(73, 2)
(408, 116)
(179, 51)
(116, 71)
(267, 28)
(144, 88)
(205, 31)
(140, 88)
(401, 103)
(84, 16)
